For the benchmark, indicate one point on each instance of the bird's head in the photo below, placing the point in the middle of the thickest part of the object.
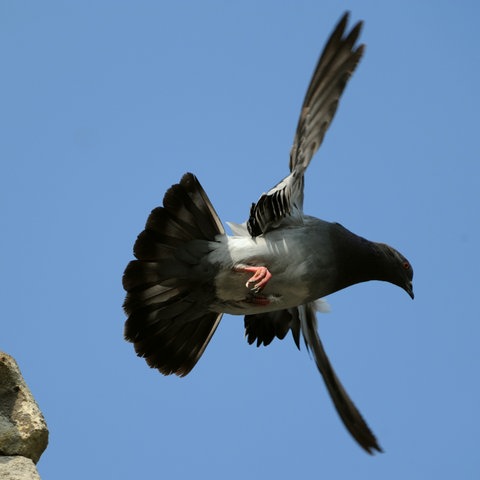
(398, 269)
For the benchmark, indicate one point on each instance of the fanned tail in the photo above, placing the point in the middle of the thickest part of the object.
(169, 290)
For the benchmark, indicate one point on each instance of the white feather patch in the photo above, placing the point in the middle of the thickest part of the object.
(322, 306)
(239, 229)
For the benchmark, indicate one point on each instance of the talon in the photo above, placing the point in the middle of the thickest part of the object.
(259, 280)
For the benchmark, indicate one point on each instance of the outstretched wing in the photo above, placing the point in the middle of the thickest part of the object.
(264, 327)
(335, 66)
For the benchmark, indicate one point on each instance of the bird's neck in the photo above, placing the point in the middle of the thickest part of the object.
(359, 260)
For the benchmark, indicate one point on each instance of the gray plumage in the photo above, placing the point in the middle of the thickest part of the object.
(273, 270)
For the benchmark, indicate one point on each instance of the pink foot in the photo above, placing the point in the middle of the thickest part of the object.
(260, 277)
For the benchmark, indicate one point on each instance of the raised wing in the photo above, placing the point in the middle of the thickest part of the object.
(264, 327)
(335, 66)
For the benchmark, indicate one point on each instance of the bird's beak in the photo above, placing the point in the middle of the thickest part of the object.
(409, 289)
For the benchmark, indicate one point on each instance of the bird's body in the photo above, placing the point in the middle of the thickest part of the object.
(275, 267)
(307, 276)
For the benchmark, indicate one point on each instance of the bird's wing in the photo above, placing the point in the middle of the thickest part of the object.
(263, 328)
(349, 414)
(335, 66)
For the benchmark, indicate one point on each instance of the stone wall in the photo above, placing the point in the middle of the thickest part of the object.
(23, 431)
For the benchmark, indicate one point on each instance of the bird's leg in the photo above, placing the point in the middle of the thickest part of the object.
(260, 277)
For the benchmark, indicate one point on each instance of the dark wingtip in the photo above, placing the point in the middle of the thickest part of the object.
(373, 449)
(344, 18)
(342, 23)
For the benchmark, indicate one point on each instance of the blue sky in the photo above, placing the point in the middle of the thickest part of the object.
(106, 104)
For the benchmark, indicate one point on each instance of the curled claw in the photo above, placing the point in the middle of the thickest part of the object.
(259, 280)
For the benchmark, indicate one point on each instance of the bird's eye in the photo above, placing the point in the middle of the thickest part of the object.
(406, 265)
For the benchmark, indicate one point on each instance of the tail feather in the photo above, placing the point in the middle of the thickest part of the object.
(179, 354)
(140, 274)
(154, 295)
(191, 205)
(166, 330)
(168, 223)
(150, 246)
(168, 291)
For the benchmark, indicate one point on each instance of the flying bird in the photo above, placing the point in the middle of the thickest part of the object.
(274, 269)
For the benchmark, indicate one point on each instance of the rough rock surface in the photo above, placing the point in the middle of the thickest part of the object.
(23, 430)
(17, 468)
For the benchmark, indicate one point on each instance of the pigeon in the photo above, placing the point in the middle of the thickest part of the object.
(276, 267)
